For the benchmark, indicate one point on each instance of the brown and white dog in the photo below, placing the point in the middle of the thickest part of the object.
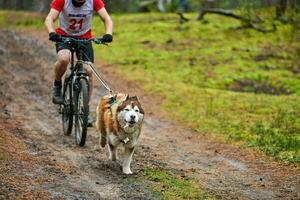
(119, 120)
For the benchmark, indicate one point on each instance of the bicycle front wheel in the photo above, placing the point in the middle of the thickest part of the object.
(67, 111)
(81, 111)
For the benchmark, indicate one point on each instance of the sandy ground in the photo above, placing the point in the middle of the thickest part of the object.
(38, 162)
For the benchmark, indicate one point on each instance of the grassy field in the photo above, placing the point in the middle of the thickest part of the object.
(236, 84)
(241, 85)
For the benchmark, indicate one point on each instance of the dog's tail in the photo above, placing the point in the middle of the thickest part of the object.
(100, 124)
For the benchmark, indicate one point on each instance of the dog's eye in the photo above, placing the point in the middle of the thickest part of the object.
(126, 109)
(136, 110)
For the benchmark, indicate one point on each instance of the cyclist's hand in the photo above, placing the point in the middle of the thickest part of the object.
(54, 37)
(107, 38)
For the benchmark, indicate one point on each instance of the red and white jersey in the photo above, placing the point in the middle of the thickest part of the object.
(76, 21)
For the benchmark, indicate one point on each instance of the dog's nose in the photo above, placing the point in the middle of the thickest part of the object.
(132, 117)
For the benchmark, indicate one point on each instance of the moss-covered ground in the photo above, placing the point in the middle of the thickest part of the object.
(219, 80)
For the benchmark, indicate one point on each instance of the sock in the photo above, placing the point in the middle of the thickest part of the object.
(57, 83)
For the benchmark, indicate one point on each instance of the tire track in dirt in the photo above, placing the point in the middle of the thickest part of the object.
(29, 66)
(223, 171)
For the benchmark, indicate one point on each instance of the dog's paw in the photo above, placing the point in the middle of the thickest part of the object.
(127, 171)
(97, 148)
(112, 158)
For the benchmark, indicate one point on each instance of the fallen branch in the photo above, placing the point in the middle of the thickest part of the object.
(182, 18)
(147, 3)
(220, 11)
(260, 29)
(247, 22)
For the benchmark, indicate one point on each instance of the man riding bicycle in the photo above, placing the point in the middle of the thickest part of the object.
(75, 20)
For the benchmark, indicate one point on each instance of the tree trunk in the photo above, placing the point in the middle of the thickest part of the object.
(208, 4)
(295, 5)
(247, 23)
(41, 5)
(281, 8)
(7, 4)
(19, 5)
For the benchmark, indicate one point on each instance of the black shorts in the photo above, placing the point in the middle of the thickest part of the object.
(88, 55)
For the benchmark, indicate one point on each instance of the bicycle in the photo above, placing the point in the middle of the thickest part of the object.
(75, 91)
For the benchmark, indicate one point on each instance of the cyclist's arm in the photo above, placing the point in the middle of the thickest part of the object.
(108, 24)
(50, 19)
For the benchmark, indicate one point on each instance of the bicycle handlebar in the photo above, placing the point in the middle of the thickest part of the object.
(70, 40)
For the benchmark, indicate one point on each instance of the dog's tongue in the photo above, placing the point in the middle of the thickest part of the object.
(129, 124)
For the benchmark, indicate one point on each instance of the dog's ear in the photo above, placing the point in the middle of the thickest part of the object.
(135, 98)
(122, 101)
(126, 97)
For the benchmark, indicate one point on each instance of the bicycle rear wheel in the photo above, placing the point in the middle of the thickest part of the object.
(81, 111)
(67, 113)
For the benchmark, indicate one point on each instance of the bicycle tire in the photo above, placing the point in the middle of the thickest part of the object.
(67, 113)
(81, 111)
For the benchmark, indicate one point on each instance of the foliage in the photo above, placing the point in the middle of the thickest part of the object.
(172, 187)
(133, 5)
(9, 19)
(34, 5)
(247, 7)
(280, 137)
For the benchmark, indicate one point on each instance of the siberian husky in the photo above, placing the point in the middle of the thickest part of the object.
(119, 121)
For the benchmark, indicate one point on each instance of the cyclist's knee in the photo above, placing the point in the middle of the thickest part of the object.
(90, 74)
(63, 57)
(88, 71)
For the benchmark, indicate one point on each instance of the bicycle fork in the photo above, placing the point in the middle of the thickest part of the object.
(76, 87)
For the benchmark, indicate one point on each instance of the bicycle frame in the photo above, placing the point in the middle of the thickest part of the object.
(75, 91)
(77, 71)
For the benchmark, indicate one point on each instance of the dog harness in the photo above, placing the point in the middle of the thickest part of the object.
(125, 140)
(112, 100)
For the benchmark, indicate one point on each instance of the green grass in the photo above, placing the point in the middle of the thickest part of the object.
(208, 73)
(240, 85)
(172, 187)
(13, 19)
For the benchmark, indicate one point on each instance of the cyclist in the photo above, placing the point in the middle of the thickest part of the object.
(75, 20)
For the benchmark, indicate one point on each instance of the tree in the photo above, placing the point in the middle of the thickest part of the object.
(34, 5)
(281, 8)
(41, 5)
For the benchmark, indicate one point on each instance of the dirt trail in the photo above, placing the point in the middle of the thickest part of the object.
(223, 171)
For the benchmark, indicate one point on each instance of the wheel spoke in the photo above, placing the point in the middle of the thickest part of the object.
(67, 116)
(81, 104)
(81, 120)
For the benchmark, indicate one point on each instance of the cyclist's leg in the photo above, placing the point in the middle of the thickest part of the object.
(60, 66)
(89, 72)
(63, 59)
(89, 56)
